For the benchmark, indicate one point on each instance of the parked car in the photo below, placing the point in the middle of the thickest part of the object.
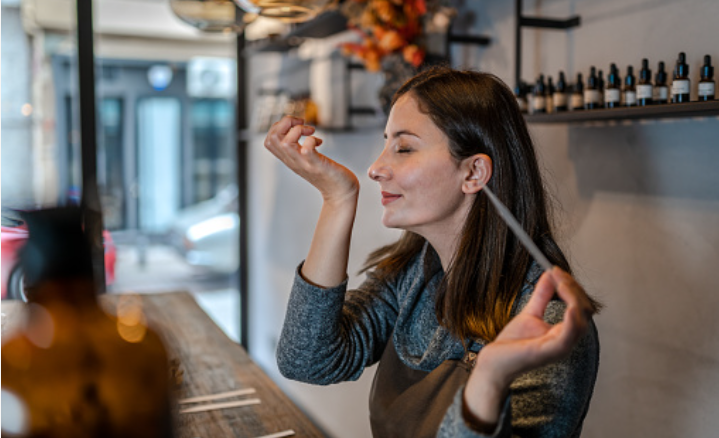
(207, 234)
(13, 235)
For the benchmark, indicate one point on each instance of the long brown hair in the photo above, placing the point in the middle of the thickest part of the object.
(479, 114)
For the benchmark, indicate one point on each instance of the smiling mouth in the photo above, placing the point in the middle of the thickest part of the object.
(389, 197)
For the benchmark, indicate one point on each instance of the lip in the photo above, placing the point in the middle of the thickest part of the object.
(388, 197)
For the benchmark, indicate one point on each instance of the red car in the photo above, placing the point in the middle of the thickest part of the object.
(13, 235)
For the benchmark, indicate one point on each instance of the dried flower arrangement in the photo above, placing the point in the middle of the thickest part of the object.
(387, 27)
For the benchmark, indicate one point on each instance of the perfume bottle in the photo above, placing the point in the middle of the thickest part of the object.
(577, 99)
(549, 96)
(591, 92)
(706, 85)
(539, 103)
(681, 83)
(645, 92)
(661, 91)
(559, 97)
(612, 94)
(630, 92)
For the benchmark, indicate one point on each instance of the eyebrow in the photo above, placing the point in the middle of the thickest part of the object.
(403, 132)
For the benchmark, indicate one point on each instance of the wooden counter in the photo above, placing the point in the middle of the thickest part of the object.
(212, 363)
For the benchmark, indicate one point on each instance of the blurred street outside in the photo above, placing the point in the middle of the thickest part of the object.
(164, 270)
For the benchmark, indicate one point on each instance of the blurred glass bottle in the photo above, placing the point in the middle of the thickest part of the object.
(645, 92)
(612, 94)
(577, 100)
(539, 101)
(630, 92)
(680, 84)
(591, 92)
(706, 84)
(661, 91)
(73, 370)
(559, 97)
(549, 95)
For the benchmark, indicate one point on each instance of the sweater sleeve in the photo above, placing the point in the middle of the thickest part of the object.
(330, 335)
(550, 401)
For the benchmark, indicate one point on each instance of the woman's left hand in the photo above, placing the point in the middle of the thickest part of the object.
(527, 342)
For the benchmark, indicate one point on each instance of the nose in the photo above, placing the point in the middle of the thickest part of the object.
(379, 170)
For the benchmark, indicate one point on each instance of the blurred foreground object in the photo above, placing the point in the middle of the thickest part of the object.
(214, 15)
(73, 370)
(289, 11)
(14, 234)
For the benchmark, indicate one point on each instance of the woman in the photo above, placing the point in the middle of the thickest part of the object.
(469, 339)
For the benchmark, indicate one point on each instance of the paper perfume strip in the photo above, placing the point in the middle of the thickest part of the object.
(228, 394)
(226, 405)
(282, 434)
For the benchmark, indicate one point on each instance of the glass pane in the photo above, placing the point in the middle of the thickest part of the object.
(166, 154)
(40, 130)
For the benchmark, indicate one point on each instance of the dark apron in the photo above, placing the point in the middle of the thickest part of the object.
(405, 402)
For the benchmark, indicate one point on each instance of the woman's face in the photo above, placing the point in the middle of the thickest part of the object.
(420, 182)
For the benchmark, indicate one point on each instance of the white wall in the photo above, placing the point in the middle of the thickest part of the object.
(638, 214)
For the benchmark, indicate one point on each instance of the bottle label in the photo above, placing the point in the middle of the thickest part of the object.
(644, 91)
(630, 98)
(560, 99)
(661, 93)
(591, 96)
(680, 86)
(611, 95)
(538, 103)
(577, 101)
(706, 88)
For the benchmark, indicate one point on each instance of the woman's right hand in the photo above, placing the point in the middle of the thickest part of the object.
(335, 182)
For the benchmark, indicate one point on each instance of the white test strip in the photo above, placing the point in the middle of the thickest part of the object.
(514, 225)
(228, 394)
(284, 433)
(226, 405)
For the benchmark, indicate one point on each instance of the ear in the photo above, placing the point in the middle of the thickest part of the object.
(477, 170)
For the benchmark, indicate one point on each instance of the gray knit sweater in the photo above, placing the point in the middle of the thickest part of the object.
(331, 335)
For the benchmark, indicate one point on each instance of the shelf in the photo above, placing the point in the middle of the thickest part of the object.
(322, 26)
(665, 111)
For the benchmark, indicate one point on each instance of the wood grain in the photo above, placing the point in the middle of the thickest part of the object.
(212, 363)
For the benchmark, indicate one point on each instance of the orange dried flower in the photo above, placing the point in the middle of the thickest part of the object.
(413, 55)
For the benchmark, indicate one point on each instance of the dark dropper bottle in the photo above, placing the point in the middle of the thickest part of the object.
(559, 97)
(680, 84)
(630, 92)
(661, 91)
(612, 94)
(578, 94)
(706, 85)
(600, 87)
(539, 100)
(644, 86)
(549, 96)
(591, 93)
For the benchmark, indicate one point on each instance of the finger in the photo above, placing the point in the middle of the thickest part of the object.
(571, 292)
(309, 144)
(283, 126)
(542, 294)
(294, 134)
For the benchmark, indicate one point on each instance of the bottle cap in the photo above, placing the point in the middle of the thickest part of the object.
(682, 68)
(707, 69)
